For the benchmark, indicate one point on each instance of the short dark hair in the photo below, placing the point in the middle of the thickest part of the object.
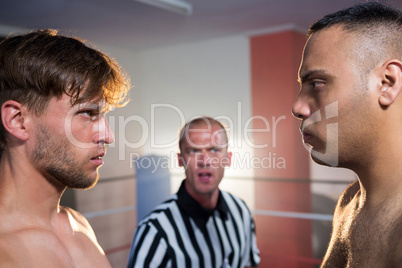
(376, 29)
(40, 65)
(365, 15)
(198, 121)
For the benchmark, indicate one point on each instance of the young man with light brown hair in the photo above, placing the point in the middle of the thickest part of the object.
(54, 93)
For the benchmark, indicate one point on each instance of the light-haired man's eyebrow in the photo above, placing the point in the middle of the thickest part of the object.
(91, 106)
(306, 76)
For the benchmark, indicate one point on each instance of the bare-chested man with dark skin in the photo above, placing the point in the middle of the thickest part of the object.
(351, 106)
(54, 93)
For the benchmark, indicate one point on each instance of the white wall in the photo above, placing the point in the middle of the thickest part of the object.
(174, 84)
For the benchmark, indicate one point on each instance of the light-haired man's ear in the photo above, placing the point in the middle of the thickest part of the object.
(13, 118)
(391, 82)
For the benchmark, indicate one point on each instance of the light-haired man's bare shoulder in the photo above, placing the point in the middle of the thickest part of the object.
(78, 221)
(71, 242)
(7, 256)
(32, 248)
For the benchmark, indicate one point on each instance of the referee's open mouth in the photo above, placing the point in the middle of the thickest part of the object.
(205, 176)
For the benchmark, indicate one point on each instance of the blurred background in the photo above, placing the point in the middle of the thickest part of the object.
(236, 60)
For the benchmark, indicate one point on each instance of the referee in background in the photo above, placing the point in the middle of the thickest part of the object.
(199, 226)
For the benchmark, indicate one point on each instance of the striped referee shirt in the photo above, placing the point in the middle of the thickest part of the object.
(182, 233)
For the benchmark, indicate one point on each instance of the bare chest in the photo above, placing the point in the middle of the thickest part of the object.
(366, 238)
(39, 248)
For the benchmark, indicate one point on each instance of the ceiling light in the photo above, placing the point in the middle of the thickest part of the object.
(172, 5)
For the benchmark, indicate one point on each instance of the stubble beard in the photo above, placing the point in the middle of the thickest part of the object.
(58, 163)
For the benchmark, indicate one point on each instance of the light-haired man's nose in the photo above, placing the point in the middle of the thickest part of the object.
(104, 134)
